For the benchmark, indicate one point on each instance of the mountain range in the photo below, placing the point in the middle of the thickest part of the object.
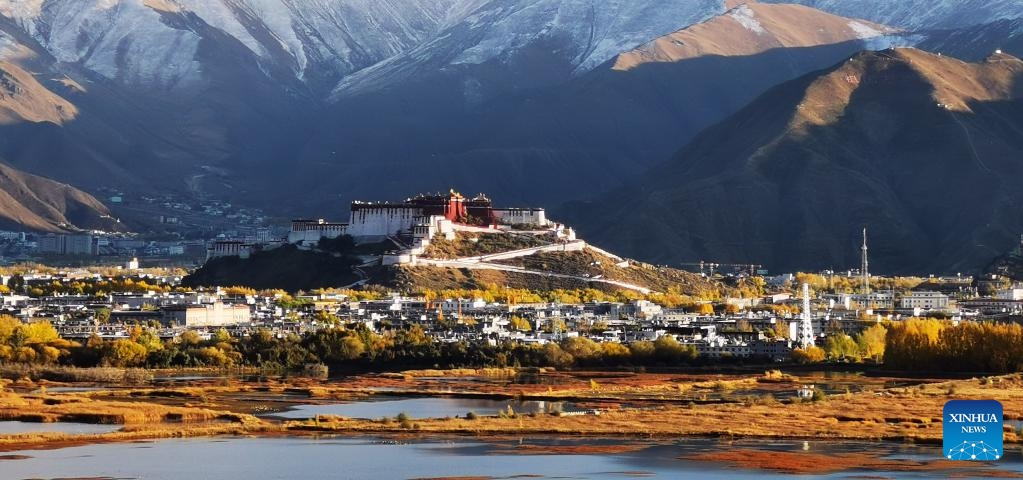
(919, 148)
(299, 106)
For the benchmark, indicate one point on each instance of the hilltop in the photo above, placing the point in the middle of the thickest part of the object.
(539, 263)
(529, 262)
(920, 148)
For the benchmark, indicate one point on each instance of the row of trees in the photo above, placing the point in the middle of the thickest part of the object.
(915, 344)
(86, 286)
(929, 344)
(847, 284)
(355, 346)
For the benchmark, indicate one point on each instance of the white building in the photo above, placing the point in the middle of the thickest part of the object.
(926, 300)
(228, 248)
(311, 231)
(522, 216)
(211, 315)
(1014, 293)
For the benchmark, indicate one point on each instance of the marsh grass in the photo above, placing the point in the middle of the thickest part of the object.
(121, 376)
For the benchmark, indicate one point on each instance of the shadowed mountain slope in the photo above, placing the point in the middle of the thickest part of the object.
(922, 149)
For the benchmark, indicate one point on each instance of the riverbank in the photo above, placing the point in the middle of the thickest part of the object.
(614, 404)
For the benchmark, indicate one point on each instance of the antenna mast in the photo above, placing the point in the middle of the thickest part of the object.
(864, 266)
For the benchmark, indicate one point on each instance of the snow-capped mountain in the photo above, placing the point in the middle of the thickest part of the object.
(920, 14)
(189, 87)
(321, 42)
(574, 36)
(158, 42)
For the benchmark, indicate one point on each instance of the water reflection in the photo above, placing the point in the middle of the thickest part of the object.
(232, 458)
(424, 407)
(12, 428)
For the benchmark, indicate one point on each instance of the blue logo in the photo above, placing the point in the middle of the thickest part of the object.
(972, 430)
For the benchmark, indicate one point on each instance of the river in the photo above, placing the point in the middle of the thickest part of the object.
(330, 457)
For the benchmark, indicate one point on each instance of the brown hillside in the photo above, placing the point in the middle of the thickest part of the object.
(922, 149)
(953, 83)
(584, 264)
(24, 99)
(749, 29)
(38, 203)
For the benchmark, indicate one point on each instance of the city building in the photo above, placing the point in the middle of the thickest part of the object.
(924, 300)
(62, 244)
(211, 315)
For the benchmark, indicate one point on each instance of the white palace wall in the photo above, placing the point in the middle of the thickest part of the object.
(379, 222)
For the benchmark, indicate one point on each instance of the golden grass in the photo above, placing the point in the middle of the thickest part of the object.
(81, 408)
(910, 413)
(149, 432)
(465, 372)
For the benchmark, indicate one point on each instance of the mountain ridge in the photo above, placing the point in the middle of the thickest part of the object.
(40, 204)
(791, 179)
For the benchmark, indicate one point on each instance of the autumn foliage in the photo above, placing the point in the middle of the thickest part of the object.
(936, 345)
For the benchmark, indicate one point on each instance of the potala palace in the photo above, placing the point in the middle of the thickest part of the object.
(410, 224)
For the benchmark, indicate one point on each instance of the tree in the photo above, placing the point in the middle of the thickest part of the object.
(811, 354)
(148, 339)
(614, 352)
(38, 333)
(668, 350)
(327, 318)
(189, 338)
(351, 348)
(705, 309)
(642, 351)
(16, 283)
(8, 325)
(102, 315)
(520, 324)
(413, 336)
(554, 356)
(840, 346)
(214, 357)
(582, 348)
(780, 329)
(555, 325)
(125, 353)
(238, 291)
(871, 342)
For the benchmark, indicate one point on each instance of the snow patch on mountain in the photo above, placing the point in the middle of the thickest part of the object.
(745, 16)
(864, 31)
(118, 39)
(920, 14)
(21, 8)
(129, 40)
(585, 33)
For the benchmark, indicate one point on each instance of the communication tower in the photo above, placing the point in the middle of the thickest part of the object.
(806, 324)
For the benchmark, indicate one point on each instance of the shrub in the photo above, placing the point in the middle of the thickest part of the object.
(819, 395)
(470, 416)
